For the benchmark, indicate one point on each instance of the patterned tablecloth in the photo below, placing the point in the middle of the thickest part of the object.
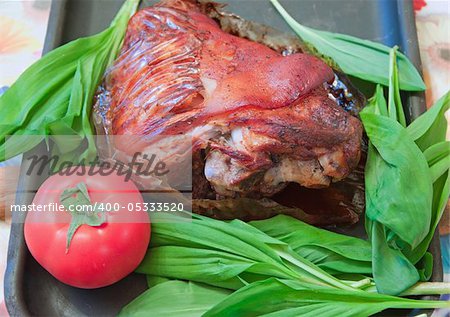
(23, 25)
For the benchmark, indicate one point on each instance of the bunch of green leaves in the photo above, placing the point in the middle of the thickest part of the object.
(293, 298)
(54, 96)
(407, 174)
(270, 297)
(356, 57)
(234, 269)
(334, 253)
(407, 184)
(229, 255)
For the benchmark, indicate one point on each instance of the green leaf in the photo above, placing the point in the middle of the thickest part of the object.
(213, 234)
(175, 299)
(395, 107)
(425, 267)
(54, 95)
(333, 263)
(437, 152)
(439, 167)
(200, 265)
(273, 297)
(396, 194)
(441, 193)
(377, 104)
(431, 127)
(389, 264)
(393, 201)
(360, 58)
(335, 253)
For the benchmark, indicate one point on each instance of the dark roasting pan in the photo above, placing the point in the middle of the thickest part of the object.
(31, 291)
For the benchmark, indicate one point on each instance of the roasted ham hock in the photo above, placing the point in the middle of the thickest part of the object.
(262, 113)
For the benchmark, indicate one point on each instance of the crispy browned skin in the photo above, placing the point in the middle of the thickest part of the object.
(264, 119)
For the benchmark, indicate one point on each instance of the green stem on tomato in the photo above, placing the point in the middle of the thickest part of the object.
(86, 214)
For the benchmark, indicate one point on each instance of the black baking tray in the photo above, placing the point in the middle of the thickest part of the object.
(31, 291)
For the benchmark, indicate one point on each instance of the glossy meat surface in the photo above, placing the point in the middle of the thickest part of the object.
(259, 119)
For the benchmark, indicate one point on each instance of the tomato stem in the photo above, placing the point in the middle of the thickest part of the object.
(77, 202)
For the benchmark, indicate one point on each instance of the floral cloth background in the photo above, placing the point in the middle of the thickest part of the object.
(22, 32)
(23, 25)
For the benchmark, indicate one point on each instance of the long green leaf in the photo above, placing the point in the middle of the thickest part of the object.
(273, 297)
(431, 127)
(377, 104)
(439, 168)
(175, 299)
(389, 264)
(437, 152)
(360, 58)
(200, 265)
(395, 107)
(441, 193)
(335, 253)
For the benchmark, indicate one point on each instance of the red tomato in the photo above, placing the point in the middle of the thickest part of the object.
(97, 255)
